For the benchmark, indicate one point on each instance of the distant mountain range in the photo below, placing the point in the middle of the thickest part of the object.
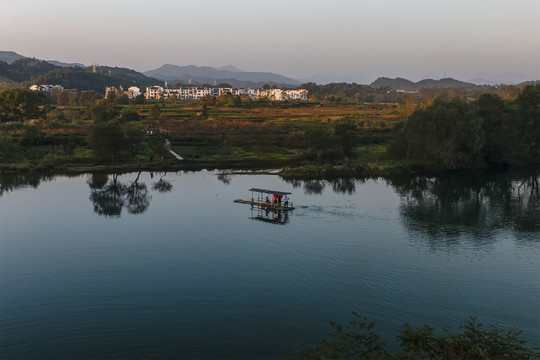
(11, 56)
(19, 70)
(407, 85)
(226, 74)
(26, 71)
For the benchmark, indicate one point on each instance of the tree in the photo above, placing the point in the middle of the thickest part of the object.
(56, 115)
(204, 111)
(127, 115)
(88, 97)
(122, 99)
(208, 100)
(67, 97)
(322, 145)
(229, 99)
(32, 135)
(528, 122)
(107, 140)
(448, 134)
(348, 135)
(102, 110)
(134, 138)
(154, 113)
(496, 123)
(139, 99)
(20, 104)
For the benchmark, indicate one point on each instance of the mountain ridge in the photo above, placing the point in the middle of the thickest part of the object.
(11, 56)
(207, 74)
(402, 84)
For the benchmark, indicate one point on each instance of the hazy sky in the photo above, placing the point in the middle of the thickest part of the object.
(349, 39)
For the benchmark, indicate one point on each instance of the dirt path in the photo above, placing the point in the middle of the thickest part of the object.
(168, 147)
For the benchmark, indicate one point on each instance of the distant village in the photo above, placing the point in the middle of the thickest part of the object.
(196, 93)
(191, 92)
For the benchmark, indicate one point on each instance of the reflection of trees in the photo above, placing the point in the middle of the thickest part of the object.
(477, 204)
(340, 185)
(343, 186)
(108, 200)
(109, 196)
(137, 197)
(162, 185)
(314, 186)
(13, 181)
(224, 177)
(98, 180)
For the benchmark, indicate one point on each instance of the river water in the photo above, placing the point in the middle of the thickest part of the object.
(147, 265)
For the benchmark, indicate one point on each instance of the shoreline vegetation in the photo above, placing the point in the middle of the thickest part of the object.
(358, 340)
(325, 137)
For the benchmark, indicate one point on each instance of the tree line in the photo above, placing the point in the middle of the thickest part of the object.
(455, 133)
(357, 93)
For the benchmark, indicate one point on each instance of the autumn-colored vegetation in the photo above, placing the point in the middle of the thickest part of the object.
(310, 138)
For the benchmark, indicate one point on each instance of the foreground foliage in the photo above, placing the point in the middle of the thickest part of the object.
(358, 340)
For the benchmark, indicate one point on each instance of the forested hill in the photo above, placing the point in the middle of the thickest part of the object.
(407, 85)
(26, 72)
(228, 74)
(85, 79)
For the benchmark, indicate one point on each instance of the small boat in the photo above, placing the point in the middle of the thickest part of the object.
(268, 199)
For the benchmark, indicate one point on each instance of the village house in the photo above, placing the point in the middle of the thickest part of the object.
(46, 88)
(196, 93)
(131, 92)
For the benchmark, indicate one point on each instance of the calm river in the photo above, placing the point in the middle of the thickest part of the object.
(165, 264)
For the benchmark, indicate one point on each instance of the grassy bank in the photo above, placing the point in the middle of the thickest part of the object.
(301, 138)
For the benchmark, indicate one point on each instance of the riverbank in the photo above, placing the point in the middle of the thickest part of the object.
(303, 140)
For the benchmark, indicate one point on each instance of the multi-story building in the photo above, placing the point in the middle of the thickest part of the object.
(154, 92)
(196, 93)
(46, 88)
(299, 94)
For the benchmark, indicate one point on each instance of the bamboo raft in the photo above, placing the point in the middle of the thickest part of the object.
(261, 202)
(265, 205)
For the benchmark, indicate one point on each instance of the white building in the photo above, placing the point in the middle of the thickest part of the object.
(299, 94)
(154, 92)
(46, 88)
(196, 93)
(134, 92)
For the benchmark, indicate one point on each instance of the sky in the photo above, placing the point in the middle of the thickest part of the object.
(331, 40)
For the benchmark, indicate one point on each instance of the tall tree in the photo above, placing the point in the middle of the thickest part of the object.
(107, 140)
(102, 110)
(528, 122)
(498, 132)
(448, 134)
(154, 113)
(20, 104)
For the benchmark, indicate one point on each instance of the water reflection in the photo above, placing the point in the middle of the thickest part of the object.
(317, 186)
(109, 195)
(225, 177)
(312, 187)
(13, 181)
(269, 215)
(476, 204)
(343, 186)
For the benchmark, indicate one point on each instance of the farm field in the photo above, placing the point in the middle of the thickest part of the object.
(274, 133)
